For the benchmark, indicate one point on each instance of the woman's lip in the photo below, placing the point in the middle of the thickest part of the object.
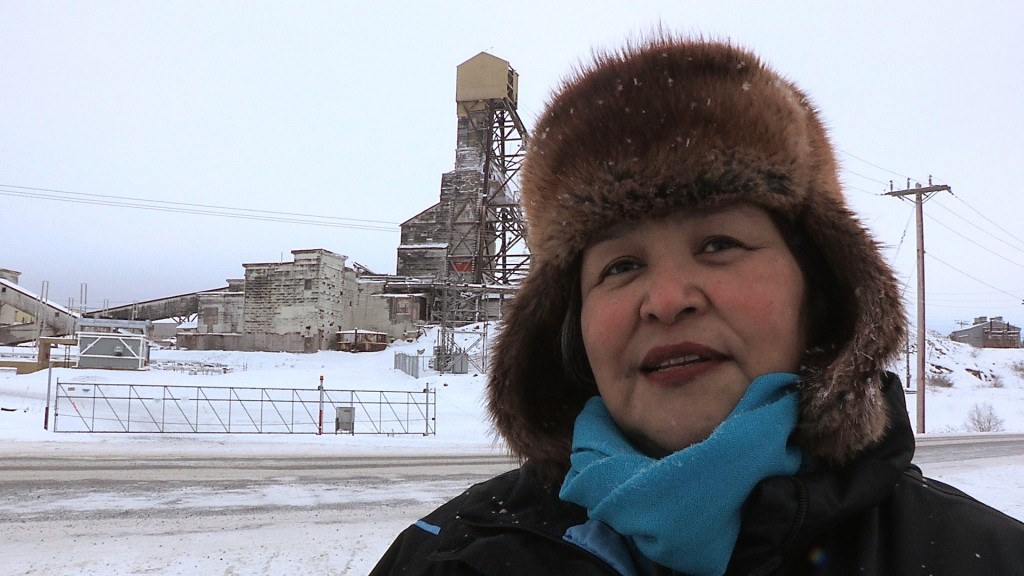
(678, 356)
(683, 373)
(679, 363)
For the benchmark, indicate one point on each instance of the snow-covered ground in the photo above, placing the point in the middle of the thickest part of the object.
(987, 382)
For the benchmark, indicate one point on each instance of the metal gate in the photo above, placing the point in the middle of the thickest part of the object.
(92, 407)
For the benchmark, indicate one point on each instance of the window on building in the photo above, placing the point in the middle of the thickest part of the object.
(210, 315)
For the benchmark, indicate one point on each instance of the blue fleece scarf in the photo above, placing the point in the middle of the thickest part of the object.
(684, 510)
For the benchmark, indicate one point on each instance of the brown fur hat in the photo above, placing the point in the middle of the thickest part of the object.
(665, 125)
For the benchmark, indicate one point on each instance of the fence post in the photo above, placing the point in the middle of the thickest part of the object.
(56, 405)
(320, 424)
(46, 410)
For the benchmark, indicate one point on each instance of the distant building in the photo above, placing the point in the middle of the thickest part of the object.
(300, 306)
(989, 333)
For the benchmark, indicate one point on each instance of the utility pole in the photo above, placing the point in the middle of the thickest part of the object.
(920, 195)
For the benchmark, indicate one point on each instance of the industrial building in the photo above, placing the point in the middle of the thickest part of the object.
(458, 261)
(987, 332)
(299, 306)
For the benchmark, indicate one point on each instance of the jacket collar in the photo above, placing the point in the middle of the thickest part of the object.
(785, 514)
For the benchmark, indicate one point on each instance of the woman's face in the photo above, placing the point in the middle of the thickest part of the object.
(681, 313)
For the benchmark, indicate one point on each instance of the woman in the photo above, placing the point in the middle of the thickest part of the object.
(693, 371)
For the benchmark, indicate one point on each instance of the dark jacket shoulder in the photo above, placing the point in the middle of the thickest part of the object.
(937, 526)
(879, 515)
(510, 524)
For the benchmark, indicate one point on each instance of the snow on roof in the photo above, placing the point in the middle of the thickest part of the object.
(422, 246)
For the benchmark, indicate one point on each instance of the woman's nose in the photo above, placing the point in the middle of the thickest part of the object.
(671, 294)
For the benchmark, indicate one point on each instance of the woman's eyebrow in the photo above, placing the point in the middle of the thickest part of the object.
(615, 231)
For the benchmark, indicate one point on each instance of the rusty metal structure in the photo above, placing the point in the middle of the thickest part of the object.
(475, 234)
(486, 242)
(472, 243)
(487, 232)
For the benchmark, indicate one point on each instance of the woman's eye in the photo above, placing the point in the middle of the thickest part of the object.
(620, 267)
(720, 243)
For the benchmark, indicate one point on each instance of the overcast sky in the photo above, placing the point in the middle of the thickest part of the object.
(345, 111)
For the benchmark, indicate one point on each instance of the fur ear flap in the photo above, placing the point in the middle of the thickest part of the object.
(531, 403)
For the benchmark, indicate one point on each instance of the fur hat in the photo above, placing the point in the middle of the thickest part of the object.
(666, 125)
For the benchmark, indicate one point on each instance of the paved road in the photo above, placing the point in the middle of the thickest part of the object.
(110, 513)
(964, 448)
(63, 511)
(69, 472)
(112, 468)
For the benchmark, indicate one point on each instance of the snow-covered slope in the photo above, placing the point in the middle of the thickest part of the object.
(969, 389)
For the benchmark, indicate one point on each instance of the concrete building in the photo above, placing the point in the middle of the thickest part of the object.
(220, 312)
(304, 297)
(301, 306)
(279, 306)
(989, 333)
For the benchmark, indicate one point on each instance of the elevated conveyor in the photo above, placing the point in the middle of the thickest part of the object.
(180, 306)
(56, 320)
(59, 321)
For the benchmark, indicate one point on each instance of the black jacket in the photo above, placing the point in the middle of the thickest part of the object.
(878, 516)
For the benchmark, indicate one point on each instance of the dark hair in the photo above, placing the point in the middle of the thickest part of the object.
(575, 364)
(831, 309)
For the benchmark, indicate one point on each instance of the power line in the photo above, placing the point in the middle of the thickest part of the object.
(200, 212)
(902, 237)
(978, 280)
(1004, 230)
(990, 301)
(1015, 297)
(951, 229)
(193, 205)
(906, 284)
(970, 306)
(976, 211)
(847, 186)
(999, 238)
(971, 293)
(869, 163)
(199, 209)
(848, 171)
